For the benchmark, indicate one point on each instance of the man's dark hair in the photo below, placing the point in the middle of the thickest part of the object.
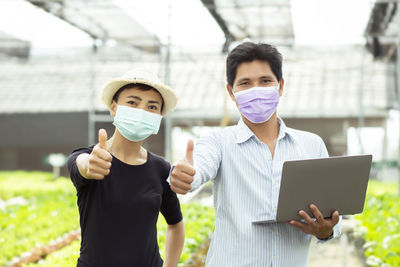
(248, 52)
(140, 86)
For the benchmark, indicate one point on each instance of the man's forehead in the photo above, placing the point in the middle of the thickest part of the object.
(254, 68)
(252, 76)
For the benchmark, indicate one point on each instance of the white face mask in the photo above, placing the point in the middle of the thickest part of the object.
(136, 124)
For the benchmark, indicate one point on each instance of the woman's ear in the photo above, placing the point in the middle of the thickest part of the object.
(113, 108)
(281, 84)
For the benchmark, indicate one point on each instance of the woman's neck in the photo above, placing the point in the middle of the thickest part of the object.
(125, 150)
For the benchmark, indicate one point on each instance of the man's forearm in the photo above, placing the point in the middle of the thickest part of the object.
(175, 238)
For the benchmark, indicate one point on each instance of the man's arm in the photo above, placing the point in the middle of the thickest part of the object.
(174, 243)
(198, 166)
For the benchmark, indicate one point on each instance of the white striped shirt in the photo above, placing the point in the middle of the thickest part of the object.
(246, 181)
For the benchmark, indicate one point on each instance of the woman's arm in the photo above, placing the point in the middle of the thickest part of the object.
(174, 243)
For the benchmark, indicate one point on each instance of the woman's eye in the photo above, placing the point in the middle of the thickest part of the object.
(153, 107)
(244, 83)
(131, 102)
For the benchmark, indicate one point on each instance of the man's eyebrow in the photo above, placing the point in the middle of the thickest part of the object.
(266, 77)
(242, 80)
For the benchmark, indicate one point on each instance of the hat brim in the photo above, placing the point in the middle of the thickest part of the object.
(169, 98)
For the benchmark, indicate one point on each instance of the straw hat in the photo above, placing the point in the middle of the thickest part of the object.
(140, 76)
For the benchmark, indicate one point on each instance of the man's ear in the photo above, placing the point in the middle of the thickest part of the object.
(113, 108)
(281, 84)
(229, 89)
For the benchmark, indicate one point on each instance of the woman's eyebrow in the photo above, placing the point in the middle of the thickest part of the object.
(154, 102)
(136, 97)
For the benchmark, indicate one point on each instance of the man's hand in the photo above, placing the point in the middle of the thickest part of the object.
(97, 164)
(321, 228)
(182, 175)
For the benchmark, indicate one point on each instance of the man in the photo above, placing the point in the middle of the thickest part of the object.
(121, 186)
(245, 164)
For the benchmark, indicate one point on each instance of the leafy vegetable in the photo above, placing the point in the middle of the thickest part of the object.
(379, 225)
(51, 211)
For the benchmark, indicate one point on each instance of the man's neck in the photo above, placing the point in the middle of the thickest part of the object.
(267, 131)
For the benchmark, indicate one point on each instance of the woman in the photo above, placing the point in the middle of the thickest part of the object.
(121, 186)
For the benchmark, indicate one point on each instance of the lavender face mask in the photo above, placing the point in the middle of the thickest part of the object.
(258, 104)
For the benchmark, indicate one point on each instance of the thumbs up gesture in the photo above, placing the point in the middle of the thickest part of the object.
(182, 175)
(97, 164)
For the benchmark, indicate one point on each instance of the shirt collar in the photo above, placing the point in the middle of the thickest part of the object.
(283, 130)
(243, 132)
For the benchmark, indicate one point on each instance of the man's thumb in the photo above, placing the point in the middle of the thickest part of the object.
(102, 138)
(189, 152)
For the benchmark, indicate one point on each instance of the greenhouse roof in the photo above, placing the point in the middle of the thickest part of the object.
(103, 20)
(259, 20)
(12, 46)
(318, 83)
(382, 29)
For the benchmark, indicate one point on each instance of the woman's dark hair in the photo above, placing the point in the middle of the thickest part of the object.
(248, 52)
(140, 86)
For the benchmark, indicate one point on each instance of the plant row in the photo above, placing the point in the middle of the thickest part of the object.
(379, 225)
(49, 212)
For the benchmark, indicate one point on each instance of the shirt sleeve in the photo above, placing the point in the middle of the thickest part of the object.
(170, 207)
(77, 179)
(323, 152)
(207, 159)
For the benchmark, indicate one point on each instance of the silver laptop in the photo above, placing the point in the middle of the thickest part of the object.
(337, 183)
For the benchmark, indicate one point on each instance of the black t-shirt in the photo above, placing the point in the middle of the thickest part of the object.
(118, 215)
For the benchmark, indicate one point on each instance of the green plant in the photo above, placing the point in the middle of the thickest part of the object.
(379, 225)
(65, 257)
(51, 212)
(199, 223)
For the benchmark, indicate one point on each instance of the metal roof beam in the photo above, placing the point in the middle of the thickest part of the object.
(229, 38)
(93, 18)
(56, 8)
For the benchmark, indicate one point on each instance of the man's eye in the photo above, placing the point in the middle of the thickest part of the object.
(131, 102)
(244, 83)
